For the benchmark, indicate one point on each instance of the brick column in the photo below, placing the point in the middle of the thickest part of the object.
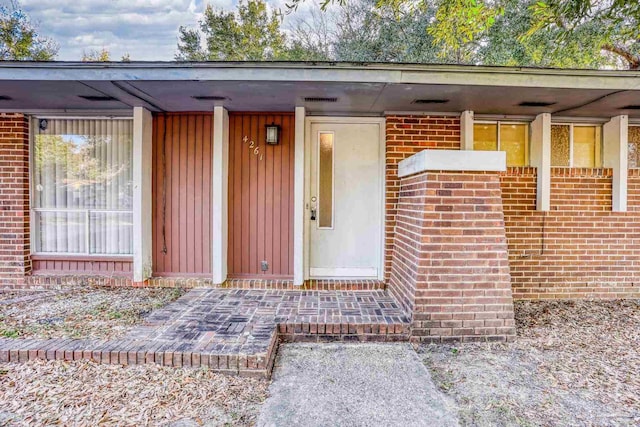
(450, 268)
(15, 262)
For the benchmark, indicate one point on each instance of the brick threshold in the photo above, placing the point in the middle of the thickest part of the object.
(138, 352)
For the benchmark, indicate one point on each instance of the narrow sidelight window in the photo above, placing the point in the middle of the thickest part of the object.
(576, 145)
(82, 186)
(512, 138)
(325, 180)
(634, 147)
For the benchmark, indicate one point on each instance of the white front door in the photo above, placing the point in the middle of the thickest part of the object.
(345, 199)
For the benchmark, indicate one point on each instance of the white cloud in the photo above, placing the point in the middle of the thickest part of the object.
(146, 29)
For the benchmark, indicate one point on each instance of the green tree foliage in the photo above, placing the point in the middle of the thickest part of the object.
(94, 55)
(598, 28)
(369, 33)
(19, 39)
(554, 33)
(250, 34)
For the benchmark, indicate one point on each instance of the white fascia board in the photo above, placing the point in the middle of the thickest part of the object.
(376, 73)
(453, 160)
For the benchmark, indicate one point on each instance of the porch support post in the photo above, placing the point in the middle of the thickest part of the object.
(219, 188)
(298, 199)
(541, 159)
(615, 139)
(142, 209)
(466, 130)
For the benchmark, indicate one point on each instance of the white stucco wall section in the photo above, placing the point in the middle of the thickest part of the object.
(298, 198)
(615, 139)
(219, 190)
(142, 209)
(453, 160)
(541, 159)
(466, 130)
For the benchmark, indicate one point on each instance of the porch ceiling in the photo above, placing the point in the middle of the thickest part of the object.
(360, 89)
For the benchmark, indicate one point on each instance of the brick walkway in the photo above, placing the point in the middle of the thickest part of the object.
(232, 330)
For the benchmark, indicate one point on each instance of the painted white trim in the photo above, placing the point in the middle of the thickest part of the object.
(421, 113)
(453, 160)
(615, 137)
(219, 194)
(466, 130)
(381, 122)
(324, 72)
(34, 235)
(541, 159)
(300, 170)
(142, 194)
(333, 181)
(333, 273)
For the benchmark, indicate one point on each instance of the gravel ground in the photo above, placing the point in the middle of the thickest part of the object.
(100, 313)
(85, 394)
(573, 363)
(6, 295)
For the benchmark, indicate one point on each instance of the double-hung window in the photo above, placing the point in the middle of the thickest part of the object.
(82, 189)
(576, 145)
(511, 137)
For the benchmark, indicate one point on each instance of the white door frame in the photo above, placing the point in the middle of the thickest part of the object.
(309, 120)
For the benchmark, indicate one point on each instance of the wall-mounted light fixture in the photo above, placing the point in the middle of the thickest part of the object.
(273, 134)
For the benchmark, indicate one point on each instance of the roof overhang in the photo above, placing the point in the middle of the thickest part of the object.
(367, 89)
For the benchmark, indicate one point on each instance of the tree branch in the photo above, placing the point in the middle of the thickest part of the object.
(632, 60)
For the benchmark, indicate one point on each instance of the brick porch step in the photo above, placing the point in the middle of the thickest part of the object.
(232, 330)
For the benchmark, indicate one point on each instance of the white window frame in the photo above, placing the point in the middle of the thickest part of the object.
(571, 127)
(35, 236)
(499, 123)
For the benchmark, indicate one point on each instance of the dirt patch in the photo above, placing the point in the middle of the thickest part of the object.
(84, 393)
(573, 363)
(99, 313)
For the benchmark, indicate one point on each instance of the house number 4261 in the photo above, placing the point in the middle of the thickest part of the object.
(253, 146)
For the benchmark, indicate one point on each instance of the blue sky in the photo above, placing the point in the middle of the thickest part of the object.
(146, 29)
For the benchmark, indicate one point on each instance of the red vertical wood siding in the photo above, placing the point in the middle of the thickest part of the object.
(61, 265)
(182, 149)
(260, 197)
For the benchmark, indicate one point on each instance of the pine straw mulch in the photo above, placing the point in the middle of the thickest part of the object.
(87, 394)
(573, 363)
(92, 312)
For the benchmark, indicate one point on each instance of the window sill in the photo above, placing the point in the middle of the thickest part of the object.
(80, 257)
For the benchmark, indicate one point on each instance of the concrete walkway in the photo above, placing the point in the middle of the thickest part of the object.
(353, 385)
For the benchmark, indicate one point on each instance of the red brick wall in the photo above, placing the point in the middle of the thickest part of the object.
(579, 249)
(633, 190)
(450, 263)
(14, 199)
(405, 136)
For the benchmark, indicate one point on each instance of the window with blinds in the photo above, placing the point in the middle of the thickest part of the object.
(82, 186)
